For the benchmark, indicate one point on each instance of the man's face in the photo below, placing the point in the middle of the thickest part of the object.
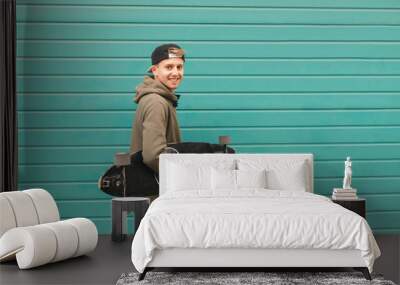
(169, 72)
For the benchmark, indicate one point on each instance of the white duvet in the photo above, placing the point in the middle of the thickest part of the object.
(250, 219)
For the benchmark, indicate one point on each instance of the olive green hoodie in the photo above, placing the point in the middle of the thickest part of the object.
(155, 124)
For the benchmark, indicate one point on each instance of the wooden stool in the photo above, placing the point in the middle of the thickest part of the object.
(120, 209)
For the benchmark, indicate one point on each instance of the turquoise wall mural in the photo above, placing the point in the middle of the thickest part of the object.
(277, 76)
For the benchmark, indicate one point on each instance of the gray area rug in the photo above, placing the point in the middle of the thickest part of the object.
(229, 278)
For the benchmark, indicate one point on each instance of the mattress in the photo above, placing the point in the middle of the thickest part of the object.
(250, 219)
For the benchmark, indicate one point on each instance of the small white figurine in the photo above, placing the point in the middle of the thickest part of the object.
(347, 174)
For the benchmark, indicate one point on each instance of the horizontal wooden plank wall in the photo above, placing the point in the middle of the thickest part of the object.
(277, 76)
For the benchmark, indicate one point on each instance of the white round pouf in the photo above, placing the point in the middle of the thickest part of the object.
(31, 233)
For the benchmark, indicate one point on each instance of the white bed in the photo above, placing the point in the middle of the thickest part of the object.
(247, 210)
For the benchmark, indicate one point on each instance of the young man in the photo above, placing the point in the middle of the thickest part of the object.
(155, 127)
(156, 123)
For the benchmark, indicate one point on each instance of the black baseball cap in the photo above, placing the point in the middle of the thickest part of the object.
(166, 51)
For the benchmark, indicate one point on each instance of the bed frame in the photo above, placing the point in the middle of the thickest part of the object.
(256, 258)
(252, 258)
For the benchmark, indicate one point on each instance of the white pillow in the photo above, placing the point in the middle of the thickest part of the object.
(291, 179)
(226, 179)
(251, 178)
(282, 174)
(223, 179)
(184, 173)
(182, 177)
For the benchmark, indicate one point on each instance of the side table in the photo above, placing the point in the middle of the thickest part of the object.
(356, 205)
(120, 208)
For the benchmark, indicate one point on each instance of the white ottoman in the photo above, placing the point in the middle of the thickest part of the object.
(31, 232)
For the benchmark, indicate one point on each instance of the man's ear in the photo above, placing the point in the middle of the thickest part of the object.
(154, 69)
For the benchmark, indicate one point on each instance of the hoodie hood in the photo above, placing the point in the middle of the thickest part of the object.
(152, 86)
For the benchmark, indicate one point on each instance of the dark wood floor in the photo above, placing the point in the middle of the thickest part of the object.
(102, 266)
(110, 259)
